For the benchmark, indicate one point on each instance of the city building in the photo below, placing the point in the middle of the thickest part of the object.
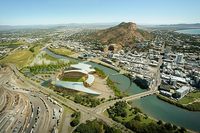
(181, 92)
(179, 58)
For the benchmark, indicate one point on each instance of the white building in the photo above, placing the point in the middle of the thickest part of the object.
(184, 90)
(83, 66)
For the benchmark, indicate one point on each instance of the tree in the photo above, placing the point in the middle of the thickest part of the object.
(137, 110)
(168, 126)
(182, 130)
(159, 122)
(174, 127)
(137, 118)
(75, 122)
(78, 99)
(111, 129)
(90, 127)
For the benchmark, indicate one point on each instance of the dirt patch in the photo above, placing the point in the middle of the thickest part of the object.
(100, 85)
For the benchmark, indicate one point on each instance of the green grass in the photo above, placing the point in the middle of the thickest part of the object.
(81, 79)
(129, 116)
(191, 107)
(20, 58)
(100, 72)
(115, 89)
(146, 120)
(48, 57)
(190, 97)
(185, 100)
(106, 113)
(68, 110)
(194, 106)
(62, 51)
(17, 43)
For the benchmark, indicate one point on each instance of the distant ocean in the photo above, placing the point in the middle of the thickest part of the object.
(190, 31)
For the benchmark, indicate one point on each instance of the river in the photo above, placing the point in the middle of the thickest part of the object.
(150, 105)
(164, 111)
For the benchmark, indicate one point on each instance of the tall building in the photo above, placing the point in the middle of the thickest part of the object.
(179, 58)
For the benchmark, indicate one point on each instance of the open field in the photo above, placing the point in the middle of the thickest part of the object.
(62, 51)
(191, 97)
(17, 43)
(21, 58)
(48, 57)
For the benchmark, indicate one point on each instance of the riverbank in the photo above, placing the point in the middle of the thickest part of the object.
(110, 83)
(190, 107)
(60, 54)
(105, 64)
(161, 110)
(135, 120)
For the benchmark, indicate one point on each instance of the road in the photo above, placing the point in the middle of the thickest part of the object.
(25, 109)
(91, 112)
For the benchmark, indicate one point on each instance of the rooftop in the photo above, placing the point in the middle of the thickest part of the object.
(183, 89)
(90, 79)
(78, 86)
(83, 66)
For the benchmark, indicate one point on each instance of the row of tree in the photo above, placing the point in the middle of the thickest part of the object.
(87, 100)
(76, 119)
(95, 126)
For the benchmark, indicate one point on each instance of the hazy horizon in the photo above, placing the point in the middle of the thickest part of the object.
(97, 23)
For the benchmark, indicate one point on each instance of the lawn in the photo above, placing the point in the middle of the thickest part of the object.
(21, 58)
(190, 97)
(48, 57)
(62, 51)
(81, 79)
(129, 116)
(17, 43)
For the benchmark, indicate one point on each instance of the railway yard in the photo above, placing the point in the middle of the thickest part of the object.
(24, 109)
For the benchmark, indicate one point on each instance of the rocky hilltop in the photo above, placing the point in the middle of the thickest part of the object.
(123, 34)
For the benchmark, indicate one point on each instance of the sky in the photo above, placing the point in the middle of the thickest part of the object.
(36, 12)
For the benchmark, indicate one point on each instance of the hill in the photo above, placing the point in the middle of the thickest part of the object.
(124, 34)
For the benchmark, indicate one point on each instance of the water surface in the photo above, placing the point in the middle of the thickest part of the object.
(164, 111)
(190, 31)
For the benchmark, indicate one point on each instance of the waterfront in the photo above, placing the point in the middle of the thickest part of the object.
(189, 31)
(150, 105)
(59, 56)
(121, 81)
(164, 111)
